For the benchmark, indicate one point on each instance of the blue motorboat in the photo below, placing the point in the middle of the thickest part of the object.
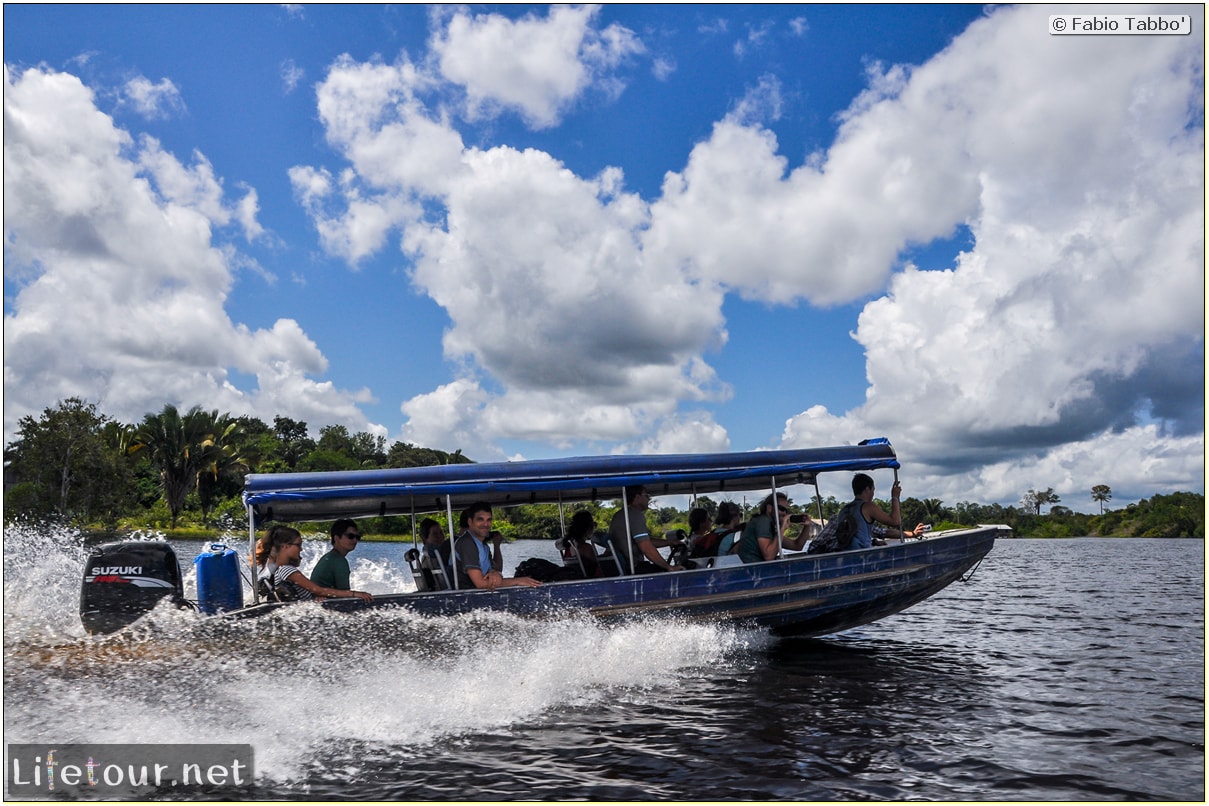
(796, 594)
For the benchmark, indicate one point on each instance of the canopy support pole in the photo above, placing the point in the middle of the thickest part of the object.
(415, 543)
(902, 537)
(562, 521)
(629, 537)
(776, 516)
(252, 555)
(453, 549)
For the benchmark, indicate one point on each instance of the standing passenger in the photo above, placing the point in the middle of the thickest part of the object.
(862, 490)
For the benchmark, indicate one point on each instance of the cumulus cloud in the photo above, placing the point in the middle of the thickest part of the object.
(116, 283)
(693, 432)
(598, 358)
(1071, 334)
(536, 67)
(603, 360)
(449, 415)
(828, 231)
(1070, 329)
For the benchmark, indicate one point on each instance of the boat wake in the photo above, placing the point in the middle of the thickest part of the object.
(304, 679)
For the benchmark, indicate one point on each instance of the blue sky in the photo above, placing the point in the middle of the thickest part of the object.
(530, 231)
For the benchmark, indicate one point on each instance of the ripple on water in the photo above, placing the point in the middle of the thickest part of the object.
(1058, 673)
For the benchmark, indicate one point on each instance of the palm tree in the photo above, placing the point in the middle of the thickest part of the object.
(933, 509)
(1035, 499)
(220, 457)
(179, 447)
(1101, 493)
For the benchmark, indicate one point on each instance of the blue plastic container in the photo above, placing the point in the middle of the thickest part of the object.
(218, 585)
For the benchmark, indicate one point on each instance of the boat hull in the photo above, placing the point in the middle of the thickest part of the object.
(805, 595)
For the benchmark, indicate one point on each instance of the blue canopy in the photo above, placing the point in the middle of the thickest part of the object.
(401, 491)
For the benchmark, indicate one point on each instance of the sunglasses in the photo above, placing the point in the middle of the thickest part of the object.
(352, 535)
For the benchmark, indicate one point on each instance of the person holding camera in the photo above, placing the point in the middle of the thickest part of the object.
(759, 541)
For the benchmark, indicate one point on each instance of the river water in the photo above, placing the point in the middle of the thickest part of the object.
(1063, 670)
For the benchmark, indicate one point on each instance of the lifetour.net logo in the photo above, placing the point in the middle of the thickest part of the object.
(124, 770)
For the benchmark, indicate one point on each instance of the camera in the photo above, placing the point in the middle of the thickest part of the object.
(797, 518)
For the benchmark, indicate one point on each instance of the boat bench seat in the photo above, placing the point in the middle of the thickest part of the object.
(428, 573)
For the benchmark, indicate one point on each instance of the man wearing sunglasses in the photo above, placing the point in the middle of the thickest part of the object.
(332, 570)
(759, 541)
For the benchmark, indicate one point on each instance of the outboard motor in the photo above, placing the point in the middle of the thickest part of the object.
(218, 585)
(123, 581)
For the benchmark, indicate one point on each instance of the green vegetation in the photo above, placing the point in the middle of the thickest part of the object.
(1179, 514)
(183, 474)
(179, 473)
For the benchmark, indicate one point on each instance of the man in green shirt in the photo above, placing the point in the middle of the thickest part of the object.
(759, 541)
(332, 569)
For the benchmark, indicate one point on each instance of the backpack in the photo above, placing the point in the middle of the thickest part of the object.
(838, 533)
(545, 571)
(280, 593)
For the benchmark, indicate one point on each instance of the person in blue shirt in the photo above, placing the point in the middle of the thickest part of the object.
(474, 559)
(862, 490)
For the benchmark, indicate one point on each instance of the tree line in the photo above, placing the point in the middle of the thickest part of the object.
(75, 465)
(178, 470)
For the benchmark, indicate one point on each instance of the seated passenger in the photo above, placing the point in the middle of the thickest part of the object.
(332, 570)
(702, 539)
(645, 554)
(287, 583)
(579, 550)
(759, 541)
(436, 547)
(266, 562)
(496, 538)
(727, 523)
(476, 568)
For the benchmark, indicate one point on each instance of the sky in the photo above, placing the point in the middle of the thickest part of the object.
(532, 232)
